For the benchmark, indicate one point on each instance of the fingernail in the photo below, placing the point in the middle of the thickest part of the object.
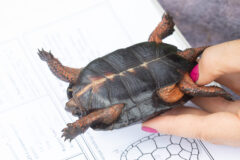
(148, 129)
(194, 74)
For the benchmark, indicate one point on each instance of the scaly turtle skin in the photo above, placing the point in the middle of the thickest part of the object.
(130, 85)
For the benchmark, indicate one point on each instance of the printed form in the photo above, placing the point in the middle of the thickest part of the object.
(32, 100)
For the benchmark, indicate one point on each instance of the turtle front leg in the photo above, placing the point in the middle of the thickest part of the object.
(64, 73)
(105, 116)
(187, 86)
(164, 29)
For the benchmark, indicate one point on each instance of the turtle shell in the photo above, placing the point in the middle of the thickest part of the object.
(130, 76)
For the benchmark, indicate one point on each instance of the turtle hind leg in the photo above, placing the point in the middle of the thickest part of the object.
(170, 94)
(102, 116)
(191, 54)
(164, 29)
(187, 86)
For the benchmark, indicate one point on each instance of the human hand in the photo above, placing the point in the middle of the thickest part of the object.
(217, 120)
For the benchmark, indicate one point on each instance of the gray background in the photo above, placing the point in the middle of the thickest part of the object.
(205, 22)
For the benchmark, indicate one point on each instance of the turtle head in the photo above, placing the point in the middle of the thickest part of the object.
(70, 90)
(75, 108)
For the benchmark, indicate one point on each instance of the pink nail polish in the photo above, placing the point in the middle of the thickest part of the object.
(194, 74)
(148, 129)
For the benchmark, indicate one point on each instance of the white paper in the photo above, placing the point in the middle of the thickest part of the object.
(32, 100)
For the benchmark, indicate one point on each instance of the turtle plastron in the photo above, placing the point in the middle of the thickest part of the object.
(130, 85)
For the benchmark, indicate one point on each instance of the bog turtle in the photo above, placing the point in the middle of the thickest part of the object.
(131, 84)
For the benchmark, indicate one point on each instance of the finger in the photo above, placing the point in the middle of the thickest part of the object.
(184, 110)
(183, 121)
(218, 128)
(216, 104)
(207, 69)
(203, 74)
(231, 81)
(215, 61)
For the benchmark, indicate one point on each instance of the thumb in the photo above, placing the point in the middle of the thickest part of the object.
(180, 121)
(217, 128)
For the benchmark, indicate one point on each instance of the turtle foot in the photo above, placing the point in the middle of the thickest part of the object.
(72, 131)
(44, 55)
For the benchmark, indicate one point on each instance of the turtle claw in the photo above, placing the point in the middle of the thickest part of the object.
(228, 97)
(72, 131)
(44, 55)
(166, 16)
